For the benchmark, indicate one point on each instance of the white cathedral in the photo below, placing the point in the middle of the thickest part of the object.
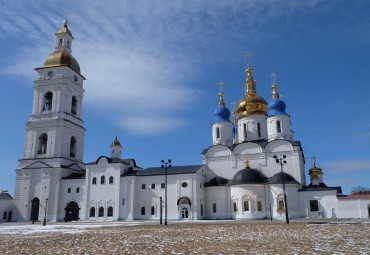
(252, 162)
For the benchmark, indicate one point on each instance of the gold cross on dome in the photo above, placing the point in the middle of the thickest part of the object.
(221, 83)
(273, 77)
(248, 56)
(314, 160)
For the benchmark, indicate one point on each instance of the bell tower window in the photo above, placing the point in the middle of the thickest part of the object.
(278, 126)
(245, 130)
(68, 44)
(217, 133)
(74, 105)
(259, 129)
(48, 102)
(60, 43)
(72, 149)
(43, 141)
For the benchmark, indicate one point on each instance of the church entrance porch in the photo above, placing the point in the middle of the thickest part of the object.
(72, 212)
(184, 213)
(184, 206)
(35, 209)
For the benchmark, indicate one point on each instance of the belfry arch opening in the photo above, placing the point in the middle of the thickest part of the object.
(35, 209)
(43, 142)
(48, 102)
(74, 106)
(72, 149)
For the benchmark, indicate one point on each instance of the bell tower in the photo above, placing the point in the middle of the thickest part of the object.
(55, 131)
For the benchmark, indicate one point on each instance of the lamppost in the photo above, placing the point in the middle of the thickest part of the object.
(165, 165)
(281, 162)
(46, 207)
(160, 209)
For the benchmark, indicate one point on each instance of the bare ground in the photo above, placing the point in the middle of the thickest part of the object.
(195, 238)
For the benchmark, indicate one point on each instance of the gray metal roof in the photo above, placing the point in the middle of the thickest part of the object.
(114, 160)
(320, 188)
(173, 170)
(5, 196)
(75, 176)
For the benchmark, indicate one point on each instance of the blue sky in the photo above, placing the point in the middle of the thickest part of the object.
(157, 64)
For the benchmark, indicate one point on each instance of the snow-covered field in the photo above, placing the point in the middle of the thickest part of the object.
(185, 238)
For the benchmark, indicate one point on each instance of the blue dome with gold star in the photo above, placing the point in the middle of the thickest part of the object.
(222, 114)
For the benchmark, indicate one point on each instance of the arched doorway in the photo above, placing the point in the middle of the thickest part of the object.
(184, 206)
(72, 212)
(35, 209)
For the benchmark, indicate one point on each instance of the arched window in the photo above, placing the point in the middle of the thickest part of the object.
(60, 43)
(74, 105)
(235, 206)
(72, 149)
(101, 211)
(214, 207)
(143, 210)
(152, 210)
(246, 206)
(217, 133)
(48, 102)
(78, 190)
(102, 180)
(92, 212)
(259, 129)
(69, 190)
(4, 216)
(245, 130)
(110, 211)
(94, 180)
(278, 126)
(111, 180)
(259, 206)
(43, 142)
(201, 210)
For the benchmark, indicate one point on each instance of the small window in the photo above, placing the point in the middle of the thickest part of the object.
(78, 190)
(68, 44)
(102, 179)
(72, 149)
(143, 210)
(163, 185)
(153, 186)
(259, 206)
(111, 180)
(201, 210)
(245, 130)
(314, 205)
(48, 102)
(152, 210)
(74, 105)
(4, 216)
(278, 126)
(201, 185)
(217, 133)
(123, 201)
(259, 129)
(246, 206)
(235, 207)
(101, 211)
(92, 212)
(143, 186)
(184, 184)
(43, 143)
(110, 211)
(94, 180)
(214, 208)
(69, 190)
(60, 43)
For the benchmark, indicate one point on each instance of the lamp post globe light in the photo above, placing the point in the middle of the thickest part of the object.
(46, 207)
(281, 162)
(165, 165)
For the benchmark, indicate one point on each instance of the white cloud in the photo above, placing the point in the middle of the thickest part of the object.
(139, 55)
(346, 166)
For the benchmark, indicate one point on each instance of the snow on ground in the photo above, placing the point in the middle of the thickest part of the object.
(228, 237)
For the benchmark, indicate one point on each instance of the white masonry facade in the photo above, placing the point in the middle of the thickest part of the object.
(242, 175)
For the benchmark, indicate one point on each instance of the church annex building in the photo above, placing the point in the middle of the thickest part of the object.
(242, 174)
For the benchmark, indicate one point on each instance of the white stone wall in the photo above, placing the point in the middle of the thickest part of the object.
(250, 123)
(285, 131)
(225, 131)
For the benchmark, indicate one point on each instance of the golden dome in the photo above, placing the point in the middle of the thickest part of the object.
(62, 58)
(251, 103)
(116, 143)
(315, 170)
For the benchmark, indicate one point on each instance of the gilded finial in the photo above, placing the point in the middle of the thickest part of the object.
(221, 94)
(246, 160)
(248, 56)
(66, 20)
(313, 160)
(116, 142)
(275, 93)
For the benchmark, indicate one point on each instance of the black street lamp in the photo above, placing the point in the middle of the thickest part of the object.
(281, 162)
(160, 209)
(165, 165)
(46, 207)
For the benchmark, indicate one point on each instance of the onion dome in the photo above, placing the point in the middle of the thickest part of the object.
(314, 170)
(222, 113)
(248, 176)
(251, 103)
(62, 58)
(278, 179)
(116, 143)
(276, 106)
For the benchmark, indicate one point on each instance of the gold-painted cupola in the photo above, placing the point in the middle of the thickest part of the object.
(251, 103)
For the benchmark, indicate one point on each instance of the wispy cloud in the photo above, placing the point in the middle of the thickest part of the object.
(140, 56)
(346, 166)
